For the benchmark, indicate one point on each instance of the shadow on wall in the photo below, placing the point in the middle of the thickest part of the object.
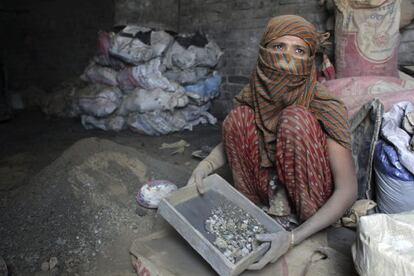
(51, 41)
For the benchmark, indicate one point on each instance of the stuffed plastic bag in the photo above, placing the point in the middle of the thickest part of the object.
(160, 41)
(207, 56)
(95, 73)
(115, 123)
(179, 57)
(188, 76)
(127, 47)
(395, 184)
(392, 131)
(99, 100)
(163, 122)
(148, 76)
(141, 100)
(385, 245)
(206, 90)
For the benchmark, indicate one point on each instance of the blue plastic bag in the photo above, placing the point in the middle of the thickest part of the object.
(207, 89)
(387, 162)
(394, 183)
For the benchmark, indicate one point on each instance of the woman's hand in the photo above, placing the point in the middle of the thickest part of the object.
(200, 172)
(279, 245)
(212, 162)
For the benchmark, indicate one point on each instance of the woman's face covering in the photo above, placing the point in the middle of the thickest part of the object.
(292, 45)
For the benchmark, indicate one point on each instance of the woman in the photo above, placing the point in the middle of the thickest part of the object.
(287, 132)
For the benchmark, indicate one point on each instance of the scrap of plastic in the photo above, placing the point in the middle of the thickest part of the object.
(151, 193)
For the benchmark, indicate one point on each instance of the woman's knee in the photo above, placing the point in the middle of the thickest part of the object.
(238, 117)
(297, 119)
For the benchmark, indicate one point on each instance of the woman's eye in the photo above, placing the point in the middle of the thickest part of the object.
(300, 51)
(278, 47)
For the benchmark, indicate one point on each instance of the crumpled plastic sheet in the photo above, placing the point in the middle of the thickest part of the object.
(392, 132)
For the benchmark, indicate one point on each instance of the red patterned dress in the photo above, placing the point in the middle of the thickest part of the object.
(301, 161)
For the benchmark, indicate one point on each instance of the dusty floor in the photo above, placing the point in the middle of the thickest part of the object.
(69, 193)
(53, 201)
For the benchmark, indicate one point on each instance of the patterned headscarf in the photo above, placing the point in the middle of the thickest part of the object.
(281, 80)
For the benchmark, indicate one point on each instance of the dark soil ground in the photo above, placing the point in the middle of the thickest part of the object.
(69, 193)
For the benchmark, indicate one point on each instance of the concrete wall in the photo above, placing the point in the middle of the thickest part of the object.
(237, 26)
(162, 14)
(406, 50)
(47, 42)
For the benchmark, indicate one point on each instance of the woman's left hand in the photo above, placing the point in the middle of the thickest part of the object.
(279, 245)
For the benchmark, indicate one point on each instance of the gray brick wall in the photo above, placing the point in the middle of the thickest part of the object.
(237, 26)
(47, 42)
(406, 50)
(161, 14)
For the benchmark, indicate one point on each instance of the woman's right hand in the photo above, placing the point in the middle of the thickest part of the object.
(213, 161)
(203, 169)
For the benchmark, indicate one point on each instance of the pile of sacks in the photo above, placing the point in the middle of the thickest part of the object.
(152, 82)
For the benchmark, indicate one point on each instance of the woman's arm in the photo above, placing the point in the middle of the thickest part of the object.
(216, 159)
(344, 195)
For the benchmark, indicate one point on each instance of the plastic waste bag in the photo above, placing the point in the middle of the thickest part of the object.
(385, 245)
(102, 56)
(141, 100)
(164, 122)
(395, 184)
(179, 57)
(130, 49)
(95, 73)
(392, 131)
(205, 90)
(115, 123)
(189, 76)
(99, 100)
(148, 76)
(207, 56)
(160, 41)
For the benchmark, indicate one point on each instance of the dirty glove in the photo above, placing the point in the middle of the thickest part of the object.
(280, 243)
(213, 161)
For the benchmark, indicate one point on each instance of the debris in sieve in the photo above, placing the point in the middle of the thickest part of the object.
(234, 230)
